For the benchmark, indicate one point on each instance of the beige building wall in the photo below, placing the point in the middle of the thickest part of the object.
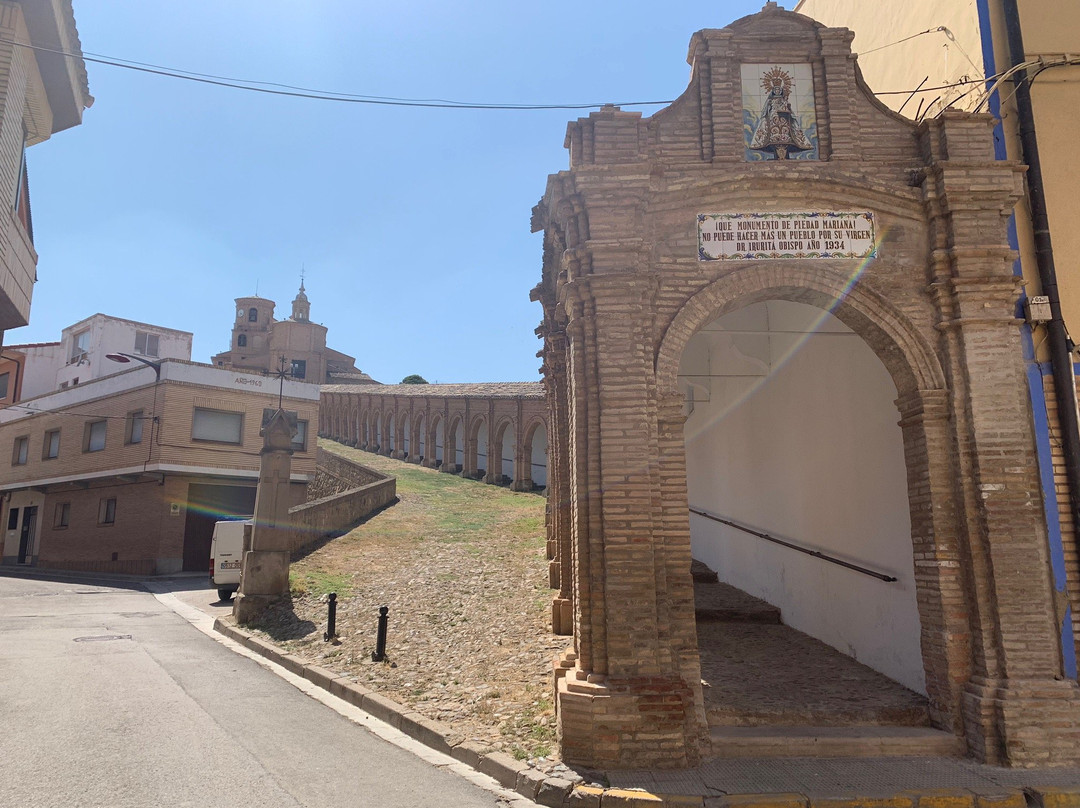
(170, 447)
(1051, 30)
(152, 480)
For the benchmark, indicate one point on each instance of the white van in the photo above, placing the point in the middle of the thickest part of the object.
(227, 554)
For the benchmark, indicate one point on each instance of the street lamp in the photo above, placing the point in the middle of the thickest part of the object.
(125, 358)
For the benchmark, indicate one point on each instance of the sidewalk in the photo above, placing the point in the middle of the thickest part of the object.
(803, 782)
(883, 782)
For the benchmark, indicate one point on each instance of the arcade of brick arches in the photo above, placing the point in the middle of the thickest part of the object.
(496, 432)
(777, 309)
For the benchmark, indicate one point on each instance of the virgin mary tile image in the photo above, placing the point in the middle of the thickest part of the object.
(779, 120)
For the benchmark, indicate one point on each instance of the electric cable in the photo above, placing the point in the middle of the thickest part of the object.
(294, 91)
(319, 95)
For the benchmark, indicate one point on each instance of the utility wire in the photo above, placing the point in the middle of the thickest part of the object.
(905, 39)
(939, 29)
(74, 413)
(294, 91)
(319, 95)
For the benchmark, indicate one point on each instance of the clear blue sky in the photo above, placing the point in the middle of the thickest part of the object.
(173, 198)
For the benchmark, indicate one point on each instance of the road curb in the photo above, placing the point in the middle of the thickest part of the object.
(557, 792)
(511, 774)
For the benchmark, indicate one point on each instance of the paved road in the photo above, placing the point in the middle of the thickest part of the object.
(110, 698)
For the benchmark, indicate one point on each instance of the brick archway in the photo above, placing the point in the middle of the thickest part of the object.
(477, 439)
(503, 427)
(920, 383)
(897, 343)
(628, 277)
(532, 428)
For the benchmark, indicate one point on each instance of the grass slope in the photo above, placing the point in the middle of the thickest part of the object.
(462, 567)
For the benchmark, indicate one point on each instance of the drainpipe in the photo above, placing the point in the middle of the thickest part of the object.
(1057, 337)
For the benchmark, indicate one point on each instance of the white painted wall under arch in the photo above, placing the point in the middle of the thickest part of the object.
(481, 446)
(793, 430)
(538, 460)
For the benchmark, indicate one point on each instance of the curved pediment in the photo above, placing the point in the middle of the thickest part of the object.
(775, 86)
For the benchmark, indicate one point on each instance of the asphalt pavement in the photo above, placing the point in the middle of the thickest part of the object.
(114, 696)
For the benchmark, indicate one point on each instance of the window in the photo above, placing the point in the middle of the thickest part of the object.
(146, 344)
(62, 517)
(4, 377)
(20, 451)
(94, 436)
(80, 346)
(13, 519)
(241, 341)
(51, 447)
(22, 196)
(215, 425)
(107, 511)
(299, 441)
(299, 368)
(134, 426)
(253, 315)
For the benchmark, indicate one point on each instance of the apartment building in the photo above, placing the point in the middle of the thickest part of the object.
(82, 355)
(43, 90)
(129, 472)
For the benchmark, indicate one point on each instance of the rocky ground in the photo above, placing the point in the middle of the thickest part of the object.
(462, 567)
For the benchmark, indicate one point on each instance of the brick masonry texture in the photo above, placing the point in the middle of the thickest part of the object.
(623, 291)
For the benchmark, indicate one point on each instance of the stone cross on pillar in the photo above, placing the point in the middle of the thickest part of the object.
(264, 575)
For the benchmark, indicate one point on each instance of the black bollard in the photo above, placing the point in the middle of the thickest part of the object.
(331, 617)
(380, 639)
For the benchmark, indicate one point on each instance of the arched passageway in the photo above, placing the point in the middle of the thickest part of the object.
(438, 438)
(502, 456)
(455, 447)
(536, 452)
(476, 449)
(792, 430)
(661, 227)
(447, 426)
(421, 438)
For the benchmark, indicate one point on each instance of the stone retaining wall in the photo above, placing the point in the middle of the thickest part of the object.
(350, 493)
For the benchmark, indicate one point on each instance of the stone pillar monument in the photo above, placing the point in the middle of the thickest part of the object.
(265, 573)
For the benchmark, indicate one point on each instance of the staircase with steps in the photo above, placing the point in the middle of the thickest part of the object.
(772, 691)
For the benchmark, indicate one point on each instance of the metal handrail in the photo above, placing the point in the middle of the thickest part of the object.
(815, 553)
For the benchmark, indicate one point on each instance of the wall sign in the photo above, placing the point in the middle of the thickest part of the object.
(750, 236)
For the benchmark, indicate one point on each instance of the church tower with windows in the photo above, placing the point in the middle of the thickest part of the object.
(259, 343)
(301, 308)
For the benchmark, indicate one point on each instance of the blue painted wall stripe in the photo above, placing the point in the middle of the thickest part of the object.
(1035, 372)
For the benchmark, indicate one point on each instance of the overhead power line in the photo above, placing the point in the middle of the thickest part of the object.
(272, 88)
(294, 91)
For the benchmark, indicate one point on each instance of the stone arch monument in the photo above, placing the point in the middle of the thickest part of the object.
(776, 178)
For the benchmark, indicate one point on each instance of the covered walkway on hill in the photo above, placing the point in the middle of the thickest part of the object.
(495, 432)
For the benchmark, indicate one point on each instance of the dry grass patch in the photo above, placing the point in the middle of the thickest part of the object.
(462, 567)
